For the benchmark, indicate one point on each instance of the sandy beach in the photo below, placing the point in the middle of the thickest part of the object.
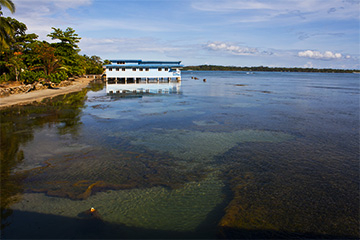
(39, 95)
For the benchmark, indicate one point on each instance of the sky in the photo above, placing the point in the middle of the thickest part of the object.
(276, 33)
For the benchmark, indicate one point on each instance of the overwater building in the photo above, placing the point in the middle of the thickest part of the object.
(135, 71)
(124, 76)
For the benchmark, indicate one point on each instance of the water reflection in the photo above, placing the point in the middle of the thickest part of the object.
(242, 165)
(17, 129)
(141, 89)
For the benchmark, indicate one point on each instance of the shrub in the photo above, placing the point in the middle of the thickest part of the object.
(58, 77)
(30, 77)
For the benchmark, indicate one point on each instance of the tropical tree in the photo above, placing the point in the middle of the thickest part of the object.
(67, 50)
(6, 30)
(8, 4)
(93, 64)
(44, 53)
(12, 57)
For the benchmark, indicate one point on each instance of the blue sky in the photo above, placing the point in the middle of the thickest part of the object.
(276, 33)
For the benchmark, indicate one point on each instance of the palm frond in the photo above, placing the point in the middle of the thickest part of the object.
(8, 4)
(6, 32)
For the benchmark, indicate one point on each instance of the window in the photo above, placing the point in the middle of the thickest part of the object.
(140, 69)
(166, 69)
(134, 69)
(159, 69)
(147, 69)
(120, 62)
(123, 69)
(117, 69)
(110, 69)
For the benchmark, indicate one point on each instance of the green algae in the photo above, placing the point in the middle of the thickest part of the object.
(181, 209)
(272, 191)
(190, 145)
(58, 169)
(18, 125)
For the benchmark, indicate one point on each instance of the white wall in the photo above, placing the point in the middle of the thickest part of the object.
(152, 73)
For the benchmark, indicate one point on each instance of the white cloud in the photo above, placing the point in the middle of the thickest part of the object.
(309, 65)
(264, 10)
(229, 5)
(40, 15)
(51, 5)
(66, 4)
(233, 49)
(327, 55)
(121, 46)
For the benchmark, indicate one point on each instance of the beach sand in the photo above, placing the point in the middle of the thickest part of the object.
(39, 95)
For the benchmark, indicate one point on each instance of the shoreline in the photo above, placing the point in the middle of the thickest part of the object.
(39, 95)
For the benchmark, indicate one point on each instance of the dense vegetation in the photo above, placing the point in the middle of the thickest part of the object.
(26, 59)
(264, 69)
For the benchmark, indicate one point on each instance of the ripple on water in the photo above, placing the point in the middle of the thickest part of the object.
(182, 209)
(203, 146)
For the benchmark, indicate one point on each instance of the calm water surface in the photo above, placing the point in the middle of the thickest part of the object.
(262, 155)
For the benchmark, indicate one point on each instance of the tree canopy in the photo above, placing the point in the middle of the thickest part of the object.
(67, 38)
(6, 29)
(24, 58)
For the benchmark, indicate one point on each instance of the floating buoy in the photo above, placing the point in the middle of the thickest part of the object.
(204, 79)
(91, 213)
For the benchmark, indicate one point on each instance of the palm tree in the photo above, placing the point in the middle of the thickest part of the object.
(8, 4)
(6, 30)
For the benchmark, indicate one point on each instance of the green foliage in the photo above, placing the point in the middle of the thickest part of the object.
(57, 60)
(8, 4)
(107, 62)
(58, 77)
(44, 54)
(67, 50)
(30, 77)
(6, 76)
(93, 65)
(6, 29)
(67, 37)
(23, 57)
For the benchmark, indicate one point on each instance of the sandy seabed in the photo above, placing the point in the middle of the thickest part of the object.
(39, 95)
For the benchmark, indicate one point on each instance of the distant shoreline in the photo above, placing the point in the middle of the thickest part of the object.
(266, 69)
(39, 95)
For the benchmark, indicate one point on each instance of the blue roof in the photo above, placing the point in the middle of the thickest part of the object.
(143, 65)
(140, 62)
(125, 60)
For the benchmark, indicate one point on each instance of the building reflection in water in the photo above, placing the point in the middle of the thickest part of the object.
(141, 89)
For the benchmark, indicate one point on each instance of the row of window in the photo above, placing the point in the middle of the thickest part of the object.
(140, 69)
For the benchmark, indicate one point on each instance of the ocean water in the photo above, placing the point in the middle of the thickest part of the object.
(259, 155)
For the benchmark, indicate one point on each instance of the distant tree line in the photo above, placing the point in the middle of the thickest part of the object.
(264, 69)
(26, 59)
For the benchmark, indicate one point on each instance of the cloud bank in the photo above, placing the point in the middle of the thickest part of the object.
(233, 49)
(327, 55)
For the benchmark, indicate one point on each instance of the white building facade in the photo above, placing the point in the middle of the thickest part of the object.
(136, 71)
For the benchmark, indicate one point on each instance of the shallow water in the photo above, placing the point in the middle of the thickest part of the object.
(264, 155)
